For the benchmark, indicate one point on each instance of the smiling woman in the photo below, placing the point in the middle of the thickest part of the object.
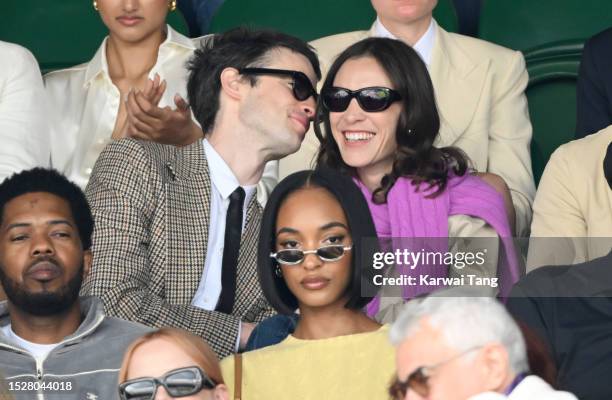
(313, 257)
(378, 122)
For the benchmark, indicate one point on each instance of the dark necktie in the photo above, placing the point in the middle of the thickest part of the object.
(231, 245)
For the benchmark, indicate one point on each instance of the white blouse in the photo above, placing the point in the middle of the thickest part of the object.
(24, 137)
(84, 106)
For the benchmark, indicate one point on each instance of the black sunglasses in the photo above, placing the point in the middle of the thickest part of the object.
(180, 382)
(329, 253)
(418, 380)
(302, 87)
(370, 99)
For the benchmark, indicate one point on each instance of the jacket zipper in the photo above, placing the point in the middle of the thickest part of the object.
(39, 368)
(39, 375)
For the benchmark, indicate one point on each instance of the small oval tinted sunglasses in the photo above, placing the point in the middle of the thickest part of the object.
(370, 99)
(180, 382)
(302, 87)
(329, 253)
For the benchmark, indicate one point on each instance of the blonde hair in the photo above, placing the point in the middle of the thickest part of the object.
(193, 345)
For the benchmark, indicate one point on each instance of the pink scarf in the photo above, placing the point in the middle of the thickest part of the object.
(409, 214)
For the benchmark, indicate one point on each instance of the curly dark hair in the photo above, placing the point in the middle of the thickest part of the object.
(417, 128)
(51, 181)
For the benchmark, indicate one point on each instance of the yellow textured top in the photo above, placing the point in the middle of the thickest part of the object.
(352, 367)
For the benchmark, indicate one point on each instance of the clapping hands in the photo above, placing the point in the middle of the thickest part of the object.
(147, 121)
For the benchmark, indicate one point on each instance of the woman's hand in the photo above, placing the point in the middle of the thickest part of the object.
(147, 121)
(245, 333)
(154, 89)
(498, 183)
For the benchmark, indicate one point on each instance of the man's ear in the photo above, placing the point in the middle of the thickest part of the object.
(497, 366)
(87, 260)
(231, 83)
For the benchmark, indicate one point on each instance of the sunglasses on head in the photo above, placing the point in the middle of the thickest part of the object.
(180, 382)
(370, 99)
(329, 253)
(418, 380)
(302, 87)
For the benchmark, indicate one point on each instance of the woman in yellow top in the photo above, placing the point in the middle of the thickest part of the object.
(315, 254)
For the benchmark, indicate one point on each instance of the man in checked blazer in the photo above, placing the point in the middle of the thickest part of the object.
(479, 89)
(160, 211)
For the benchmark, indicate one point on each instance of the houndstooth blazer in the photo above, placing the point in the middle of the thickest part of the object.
(151, 207)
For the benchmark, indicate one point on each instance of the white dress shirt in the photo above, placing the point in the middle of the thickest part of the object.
(423, 46)
(24, 132)
(85, 104)
(224, 182)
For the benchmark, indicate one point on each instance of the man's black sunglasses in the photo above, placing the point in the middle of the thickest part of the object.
(370, 99)
(180, 382)
(302, 87)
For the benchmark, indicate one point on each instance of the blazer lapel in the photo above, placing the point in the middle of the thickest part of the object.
(458, 84)
(247, 281)
(188, 194)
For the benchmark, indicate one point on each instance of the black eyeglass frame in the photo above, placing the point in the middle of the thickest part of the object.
(315, 251)
(421, 375)
(391, 97)
(202, 381)
(297, 76)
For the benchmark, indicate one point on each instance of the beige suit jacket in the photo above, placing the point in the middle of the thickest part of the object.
(479, 88)
(573, 205)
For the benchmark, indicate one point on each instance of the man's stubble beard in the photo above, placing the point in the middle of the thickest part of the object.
(260, 124)
(45, 303)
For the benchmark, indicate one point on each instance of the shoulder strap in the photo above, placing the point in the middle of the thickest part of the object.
(237, 376)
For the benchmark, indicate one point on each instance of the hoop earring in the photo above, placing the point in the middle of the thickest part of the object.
(172, 5)
(278, 272)
(95, 5)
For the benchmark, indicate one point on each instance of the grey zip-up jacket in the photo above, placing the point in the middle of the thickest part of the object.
(84, 366)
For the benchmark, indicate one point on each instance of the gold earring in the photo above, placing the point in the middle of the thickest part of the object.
(172, 5)
(95, 5)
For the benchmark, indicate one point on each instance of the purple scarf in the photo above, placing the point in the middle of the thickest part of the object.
(409, 214)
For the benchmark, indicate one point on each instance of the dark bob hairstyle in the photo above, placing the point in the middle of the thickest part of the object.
(418, 125)
(360, 226)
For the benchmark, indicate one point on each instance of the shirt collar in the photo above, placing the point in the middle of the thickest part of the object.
(517, 380)
(174, 40)
(98, 64)
(222, 176)
(424, 46)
